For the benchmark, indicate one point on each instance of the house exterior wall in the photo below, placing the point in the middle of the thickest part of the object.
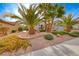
(9, 27)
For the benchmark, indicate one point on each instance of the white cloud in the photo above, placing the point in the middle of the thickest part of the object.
(27, 5)
(13, 9)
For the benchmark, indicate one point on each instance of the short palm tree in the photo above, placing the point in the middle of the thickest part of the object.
(67, 22)
(51, 11)
(30, 17)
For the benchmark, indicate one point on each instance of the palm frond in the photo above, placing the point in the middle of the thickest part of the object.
(67, 20)
(11, 16)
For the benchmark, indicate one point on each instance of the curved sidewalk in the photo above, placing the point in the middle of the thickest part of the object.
(68, 48)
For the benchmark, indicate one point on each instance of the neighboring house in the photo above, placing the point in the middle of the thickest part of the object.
(9, 26)
(56, 26)
(76, 26)
(40, 26)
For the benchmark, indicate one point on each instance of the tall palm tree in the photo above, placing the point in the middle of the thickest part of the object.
(30, 17)
(67, 22)
(51, 11)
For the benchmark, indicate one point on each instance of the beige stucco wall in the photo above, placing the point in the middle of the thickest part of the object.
(10, 27)
(13, 28)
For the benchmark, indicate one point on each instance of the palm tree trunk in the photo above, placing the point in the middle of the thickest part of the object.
(45, 26)
(31, 30)
(68, 28)
(49, 27)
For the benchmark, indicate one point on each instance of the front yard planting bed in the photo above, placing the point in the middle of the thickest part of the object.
(12, 43)
(60, 33)
(47, 40)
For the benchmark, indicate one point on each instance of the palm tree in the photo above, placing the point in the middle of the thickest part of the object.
(51, 11)
(30, 17)
(67, 22)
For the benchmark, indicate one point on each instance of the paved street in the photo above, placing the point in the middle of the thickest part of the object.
(67, 48)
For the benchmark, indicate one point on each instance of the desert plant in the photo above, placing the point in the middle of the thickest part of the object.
(50, 12)
(13, 43)
(25, 28)
(20, 29)
(31, 16)
(67, 22)
(59, 32)
(13, 31)
(74, 34)
(48, 37)
(42, 30)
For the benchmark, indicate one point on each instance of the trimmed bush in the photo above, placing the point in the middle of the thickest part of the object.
(13, 31)
(25, 28)
(42, 30)
(48, 37)
(74, 34)
(59, 32)
(20, 29)
(13, 43)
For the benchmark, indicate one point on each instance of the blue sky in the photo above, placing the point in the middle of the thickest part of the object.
(12, 7)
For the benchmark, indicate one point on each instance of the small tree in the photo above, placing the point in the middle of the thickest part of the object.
(30, 17)
(50, 11)
(67, 22)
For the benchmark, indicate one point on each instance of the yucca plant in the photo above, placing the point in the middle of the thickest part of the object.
(29, 16)
(50, 11)
(67, 22)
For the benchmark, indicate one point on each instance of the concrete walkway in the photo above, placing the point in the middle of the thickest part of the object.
(67, 48)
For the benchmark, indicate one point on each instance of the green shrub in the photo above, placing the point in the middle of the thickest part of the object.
(63, 32)
(74, 34)
(59, 32)
(13, 31)
(42, 30)
(48, 37)
(25, 28)
(20, 29)
(55, 32)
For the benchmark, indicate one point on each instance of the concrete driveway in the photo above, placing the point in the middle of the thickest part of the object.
(67, 48)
